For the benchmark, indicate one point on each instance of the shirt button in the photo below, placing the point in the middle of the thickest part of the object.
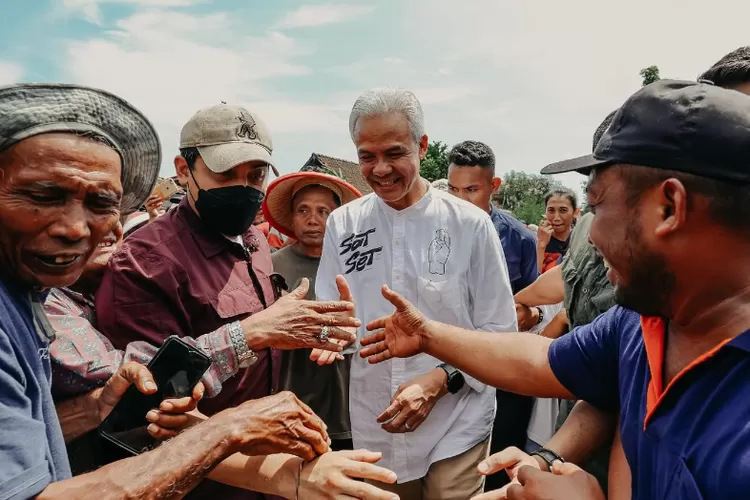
(585, 290)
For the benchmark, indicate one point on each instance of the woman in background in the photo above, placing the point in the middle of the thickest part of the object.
(553, 235)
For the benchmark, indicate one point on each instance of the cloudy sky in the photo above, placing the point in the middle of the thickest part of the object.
(531, 78)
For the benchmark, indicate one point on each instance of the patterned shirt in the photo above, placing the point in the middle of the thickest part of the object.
(84, 359)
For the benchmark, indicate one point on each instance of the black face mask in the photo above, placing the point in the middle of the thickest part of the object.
(230, 210)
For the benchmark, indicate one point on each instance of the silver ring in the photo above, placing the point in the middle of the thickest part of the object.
(407, 426)
(323, 335)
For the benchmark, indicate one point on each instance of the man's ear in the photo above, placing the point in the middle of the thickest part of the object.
(182, 169)
(496, 183)
(423, 143)
(672, 197)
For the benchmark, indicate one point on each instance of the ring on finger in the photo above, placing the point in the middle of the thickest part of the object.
(324, 334)
(408, 427)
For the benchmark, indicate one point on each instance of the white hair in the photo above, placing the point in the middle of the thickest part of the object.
(380, 101)
(441, 184)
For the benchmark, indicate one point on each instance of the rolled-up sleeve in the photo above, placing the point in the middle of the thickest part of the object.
(24, 470)
(586, 361)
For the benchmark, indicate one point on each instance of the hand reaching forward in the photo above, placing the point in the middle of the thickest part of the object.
(400, 335)
(277, 424)
(335, 475)
(566, 481)
(295, 323)
(321, 356)
(510, 460)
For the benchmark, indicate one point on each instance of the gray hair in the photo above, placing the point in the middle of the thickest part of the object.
(388, 100)
(441, 184)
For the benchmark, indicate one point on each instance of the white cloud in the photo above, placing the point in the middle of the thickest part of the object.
(170, 64)
(10, 73)
(319, 15)
(551, 71)
(532, 79)
(91, 9)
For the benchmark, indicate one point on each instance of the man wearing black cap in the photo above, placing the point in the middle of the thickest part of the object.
(668, 181)
(71, 158)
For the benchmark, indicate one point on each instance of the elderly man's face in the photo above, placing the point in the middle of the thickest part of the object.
(389, 158)
(60, 195)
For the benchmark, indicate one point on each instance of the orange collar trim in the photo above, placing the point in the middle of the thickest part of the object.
(653, 339)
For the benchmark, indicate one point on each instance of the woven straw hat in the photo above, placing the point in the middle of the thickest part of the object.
(31, 109)
(277, 204)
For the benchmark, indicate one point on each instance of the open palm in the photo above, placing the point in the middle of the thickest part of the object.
(400, 335)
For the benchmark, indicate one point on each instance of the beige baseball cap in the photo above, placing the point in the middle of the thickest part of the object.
(227, 136)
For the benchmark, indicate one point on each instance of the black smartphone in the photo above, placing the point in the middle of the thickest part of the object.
(177, 367)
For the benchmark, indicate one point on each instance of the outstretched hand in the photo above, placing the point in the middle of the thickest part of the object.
(322, 356)
(400, 335)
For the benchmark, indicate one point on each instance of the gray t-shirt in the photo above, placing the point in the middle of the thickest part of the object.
(324, 388)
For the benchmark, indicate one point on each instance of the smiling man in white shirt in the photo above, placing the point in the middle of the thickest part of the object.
(431, 422)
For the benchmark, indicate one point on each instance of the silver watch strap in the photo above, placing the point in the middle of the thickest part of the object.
(245, 356)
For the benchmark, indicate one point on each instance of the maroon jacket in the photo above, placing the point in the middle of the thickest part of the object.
(176, 276)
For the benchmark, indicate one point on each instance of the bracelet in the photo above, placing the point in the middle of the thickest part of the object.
(299, 478)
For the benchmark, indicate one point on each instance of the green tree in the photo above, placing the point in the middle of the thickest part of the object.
(650, 75)
(435, 164)
(523, 194)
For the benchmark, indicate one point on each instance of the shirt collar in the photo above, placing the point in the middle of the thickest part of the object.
(417, 208)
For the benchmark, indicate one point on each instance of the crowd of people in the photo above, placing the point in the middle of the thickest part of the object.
(416, 342)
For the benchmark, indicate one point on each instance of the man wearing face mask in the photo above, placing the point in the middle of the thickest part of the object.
(203, 266)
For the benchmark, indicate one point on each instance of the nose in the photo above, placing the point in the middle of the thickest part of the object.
(381, 168)
(72, 225)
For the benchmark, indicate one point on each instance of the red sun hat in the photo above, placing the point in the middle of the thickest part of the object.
(277, 204)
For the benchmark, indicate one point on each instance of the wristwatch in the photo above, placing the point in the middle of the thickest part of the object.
(455, 378)
(246, 357)
(548, 456)
(541, 316)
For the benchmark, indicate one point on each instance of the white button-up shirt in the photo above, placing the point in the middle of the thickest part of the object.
(443, 255)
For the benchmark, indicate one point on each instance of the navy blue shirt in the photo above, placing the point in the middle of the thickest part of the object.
(519, 247)
(688, 441)
(32, 448)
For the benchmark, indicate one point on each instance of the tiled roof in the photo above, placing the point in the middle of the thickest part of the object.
(347, 170)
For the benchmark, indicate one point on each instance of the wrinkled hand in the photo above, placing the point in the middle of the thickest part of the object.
(509, 460)
(544, 233)
(413, 402)
(333, 476)
(295, 323)
(278, 424)
(321, 356)
(566, 481)
(528, 317)
(154, 204)
(400, 335)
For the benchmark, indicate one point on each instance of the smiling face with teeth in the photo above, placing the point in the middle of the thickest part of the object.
(390, 158)
(60, 195)
(625, 238)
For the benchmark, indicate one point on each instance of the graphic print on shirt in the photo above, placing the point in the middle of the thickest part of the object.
(362, 256)
(440, 250)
